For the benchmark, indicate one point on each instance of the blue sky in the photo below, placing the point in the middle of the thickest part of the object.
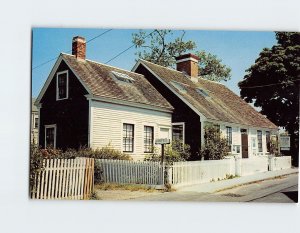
(237, 49)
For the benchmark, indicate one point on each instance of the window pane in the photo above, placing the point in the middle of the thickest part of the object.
(50, 137)
(148, 139)
(259, 140)
(36, 122)
(229, 137)
(62, 86)
(268, 141)
(128, 137)
(177, 132)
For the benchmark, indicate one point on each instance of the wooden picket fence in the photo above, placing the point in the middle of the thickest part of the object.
(132, 172)
(64, 179)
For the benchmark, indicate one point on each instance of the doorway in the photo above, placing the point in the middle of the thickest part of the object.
(244, 136)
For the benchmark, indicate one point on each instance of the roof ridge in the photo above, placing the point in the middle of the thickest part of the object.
(199, 77)
(161, 66)
(106, 65)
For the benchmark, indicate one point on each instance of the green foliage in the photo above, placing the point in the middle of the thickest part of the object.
(211, 67)
(174, 152)
(160, 47)
(35, 164)
(215, 146)
(277, 70)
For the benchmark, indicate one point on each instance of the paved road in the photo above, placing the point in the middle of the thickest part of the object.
(279, 190)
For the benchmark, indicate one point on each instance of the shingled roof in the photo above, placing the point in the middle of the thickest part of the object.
(99, 80)
(221, 104)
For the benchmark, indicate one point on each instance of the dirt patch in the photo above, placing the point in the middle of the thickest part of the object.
(232, 195)
(121, 194)
(110, 191)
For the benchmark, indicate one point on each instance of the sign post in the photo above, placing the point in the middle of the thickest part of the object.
(162, 142)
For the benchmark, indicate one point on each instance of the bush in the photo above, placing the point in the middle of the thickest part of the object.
(35, 164)
(174, 152)
(215, 146)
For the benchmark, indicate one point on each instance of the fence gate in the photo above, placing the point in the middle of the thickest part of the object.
(64, 179)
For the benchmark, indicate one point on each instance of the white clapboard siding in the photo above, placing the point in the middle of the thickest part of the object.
(131, 172)
(107, 125)
(254, 165)
(196, 172)
(64, 179)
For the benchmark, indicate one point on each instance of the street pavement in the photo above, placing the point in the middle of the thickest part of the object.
(281, 189)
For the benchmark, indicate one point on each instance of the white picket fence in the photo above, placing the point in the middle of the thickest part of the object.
(185, 173)
(253, 165)
(279, 163)
(196, 172)
(131, 172)
(64, 179)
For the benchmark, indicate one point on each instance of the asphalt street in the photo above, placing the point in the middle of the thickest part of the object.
(283, 189)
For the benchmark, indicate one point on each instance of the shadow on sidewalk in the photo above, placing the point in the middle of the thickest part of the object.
(293, 195)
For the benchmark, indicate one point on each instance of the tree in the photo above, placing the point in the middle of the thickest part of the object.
(272, 83)
(160, 48)
(215, 145)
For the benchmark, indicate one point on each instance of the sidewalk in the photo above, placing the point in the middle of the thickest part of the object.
(227, 184)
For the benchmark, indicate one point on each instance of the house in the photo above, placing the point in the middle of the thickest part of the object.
(86, 103)
(34, 119)
(198, 102)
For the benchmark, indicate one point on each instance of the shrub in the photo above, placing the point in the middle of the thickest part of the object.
(35, 164)
(174, 152)
(215, 146)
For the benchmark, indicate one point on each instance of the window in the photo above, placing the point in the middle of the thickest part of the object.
(122, 77)
(128, 137)
(179, 86)
(50, 136)
(148, 139)
(268, 141)
(36, 122)
(229, 137)
(259, 140)
(202, 92)
(178, 132)
(62, 83)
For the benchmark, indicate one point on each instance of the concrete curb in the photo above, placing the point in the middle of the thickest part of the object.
(213, 187)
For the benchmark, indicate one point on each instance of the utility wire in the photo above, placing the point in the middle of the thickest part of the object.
(125, 50)
(94, 38)
(273, 84)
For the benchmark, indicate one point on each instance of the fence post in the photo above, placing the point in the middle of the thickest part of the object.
(168, 174)
(271, 162)
(238, 165)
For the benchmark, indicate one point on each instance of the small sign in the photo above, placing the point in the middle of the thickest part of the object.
(284, 142)
(162, 141)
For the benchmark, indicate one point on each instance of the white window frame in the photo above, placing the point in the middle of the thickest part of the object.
(153, 143)
(67, 83)
(48, 127)
(134, 136)
(35, 121)
(183, 129)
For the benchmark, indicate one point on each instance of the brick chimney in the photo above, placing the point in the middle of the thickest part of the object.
(78, 47)
(188, 63)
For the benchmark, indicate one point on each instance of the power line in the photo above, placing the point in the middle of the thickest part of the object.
(273, 84)
(94, 38)
(125, 50)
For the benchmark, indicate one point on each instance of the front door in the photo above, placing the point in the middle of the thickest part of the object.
(244, 136)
